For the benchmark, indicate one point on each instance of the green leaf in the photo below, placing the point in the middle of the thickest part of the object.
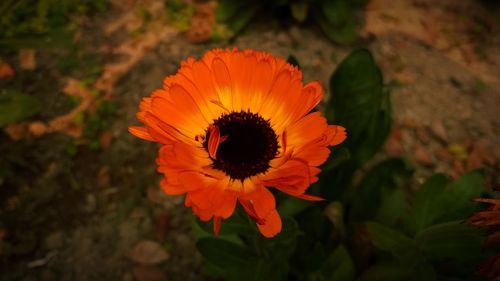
(299, 10)
(291, 206)
(336, 19)
(380, 196)
(437, 203)
(52, 40)
(339, 266)
(389, 240)
(360, 104)
(336, 158)
(426, 201)
(293, 61)
(15, 107)
(451, 240)
(282, 245)
(227, 9)
(234, 15)
(225, 254)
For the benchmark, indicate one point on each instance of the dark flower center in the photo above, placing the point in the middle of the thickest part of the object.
(250, 143)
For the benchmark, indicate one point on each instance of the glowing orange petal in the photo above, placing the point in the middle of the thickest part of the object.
(213, 141)
(336, 134)
(250, 210)
(140, 132)
(310, 197)
(271, 226)
(262, 200)
(309, 128)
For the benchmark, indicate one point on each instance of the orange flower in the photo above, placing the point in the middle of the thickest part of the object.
(232, 125)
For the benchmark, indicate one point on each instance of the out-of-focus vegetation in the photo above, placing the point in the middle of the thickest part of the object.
(336, 18)
(26, 17)
(42, 24)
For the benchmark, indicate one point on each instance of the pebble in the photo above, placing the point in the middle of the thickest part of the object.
(439, 131)
(422, 156)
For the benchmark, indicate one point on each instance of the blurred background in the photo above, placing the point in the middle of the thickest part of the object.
(79, 196)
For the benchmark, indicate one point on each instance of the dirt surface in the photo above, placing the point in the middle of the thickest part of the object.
(86, 215)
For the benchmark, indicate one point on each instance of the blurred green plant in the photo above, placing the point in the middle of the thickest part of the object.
(336, 18)
(42, 23)
(179, 14)
(16, 106)
(370, 227)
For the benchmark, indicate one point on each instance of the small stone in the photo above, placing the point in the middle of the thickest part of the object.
(148, 252)
(439, 131)
(422, 156)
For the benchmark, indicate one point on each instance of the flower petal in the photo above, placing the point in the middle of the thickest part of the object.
(271, 226)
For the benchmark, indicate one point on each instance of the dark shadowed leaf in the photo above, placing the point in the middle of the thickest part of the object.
(299, 10)
(293, 61)
(336, 19)
(339, 266)
(437, 202)
(360, 104)
(380, 196)
(235, 15)
(225, 254)
(15, 107)
(451, 240)
(390, 240)
(425, 201)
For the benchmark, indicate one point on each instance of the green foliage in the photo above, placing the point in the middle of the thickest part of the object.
(380, 195)
(437, 201)
(359, 102)
(336, 18)
(179, 14)
(242, 254)
(15, 107)
(374, 228)
(23, 17)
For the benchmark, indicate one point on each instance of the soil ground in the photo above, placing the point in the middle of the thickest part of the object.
(85, 214)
